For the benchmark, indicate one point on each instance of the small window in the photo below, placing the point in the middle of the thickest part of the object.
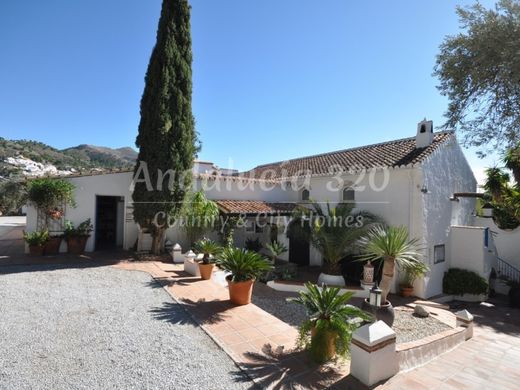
(306, 195)
(349, 194)
(438, 254)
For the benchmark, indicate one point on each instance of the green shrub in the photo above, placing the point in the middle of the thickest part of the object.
(49, 194)
(36, 238)
(83, 230)
(460, 281)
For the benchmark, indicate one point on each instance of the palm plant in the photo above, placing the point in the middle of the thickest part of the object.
(392, 246)
(330, 321)
(276, 249)
(512, 162)
(413, 272)
(208, 248)
(496, 183)
(334, 230)
(243, 265)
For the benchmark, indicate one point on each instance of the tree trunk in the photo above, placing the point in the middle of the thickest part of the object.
(387, 278)
(157, 241)
(332, 268)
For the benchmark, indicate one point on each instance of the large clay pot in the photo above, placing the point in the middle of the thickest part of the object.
(240, 292)
(384, 313)
(323, 348)
(206, 270)
(36, 250)
(76, 244)
(406, 291)
(52, 247)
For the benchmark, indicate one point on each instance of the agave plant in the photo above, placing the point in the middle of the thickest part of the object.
(208, 248)
(334, 230)
(243, 265)
(330, 323)
(276, 249)
(392, 246)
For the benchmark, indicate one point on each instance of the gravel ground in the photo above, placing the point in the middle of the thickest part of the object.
(102, 328)
(406, 326)
(410, 328)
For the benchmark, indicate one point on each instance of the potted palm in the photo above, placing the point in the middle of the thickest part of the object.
(209, 250)
(244, 267)
(36, 242)
(330, 322)
(411, 274)
(393, 247)
(77, 237)
(333, 231)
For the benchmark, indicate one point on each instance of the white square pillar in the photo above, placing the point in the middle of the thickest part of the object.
(373, 353)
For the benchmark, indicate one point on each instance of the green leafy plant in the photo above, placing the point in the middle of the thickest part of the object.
(83, 230)
(276, 249)
(460, 281)
(209, 249)
(253, 245)
(333, 230)
(38, 238)
(243, 264)
(392, 246)
(413, 272)
(199, 215)
(328, 315)
(50, 195)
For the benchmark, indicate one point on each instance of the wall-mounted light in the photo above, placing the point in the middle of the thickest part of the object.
(424, 190)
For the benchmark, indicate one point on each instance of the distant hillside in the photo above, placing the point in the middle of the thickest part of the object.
(31, 158)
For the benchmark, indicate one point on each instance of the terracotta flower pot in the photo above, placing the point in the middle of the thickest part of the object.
(76, 244)
(52, 247)
(36, 250)
(240, 292)
(406, 291)
(206, 270)
(323, 347)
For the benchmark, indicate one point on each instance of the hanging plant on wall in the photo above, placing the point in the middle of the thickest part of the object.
(51, 196)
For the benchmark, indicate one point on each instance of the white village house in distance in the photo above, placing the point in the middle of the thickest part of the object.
(408, 182)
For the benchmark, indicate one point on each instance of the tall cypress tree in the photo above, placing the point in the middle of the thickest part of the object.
(167, 139)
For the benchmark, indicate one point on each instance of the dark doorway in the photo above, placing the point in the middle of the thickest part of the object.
(299, 248)
(108, 226)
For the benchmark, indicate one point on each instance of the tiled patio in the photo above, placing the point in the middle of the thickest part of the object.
(261, 344)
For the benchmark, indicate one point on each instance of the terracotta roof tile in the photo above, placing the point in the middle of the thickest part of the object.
(254, 207)
(390, 154)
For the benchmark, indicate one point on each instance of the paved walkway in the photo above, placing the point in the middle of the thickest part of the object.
(490, 360)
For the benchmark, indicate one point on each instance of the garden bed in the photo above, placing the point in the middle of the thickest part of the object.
(406, 326)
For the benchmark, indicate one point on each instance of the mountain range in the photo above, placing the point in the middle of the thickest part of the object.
(32, 158)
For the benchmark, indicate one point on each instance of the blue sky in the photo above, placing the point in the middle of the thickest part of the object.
(273, 79)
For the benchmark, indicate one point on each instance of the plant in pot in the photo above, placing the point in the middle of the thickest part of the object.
(36, 241)
(77, 238)
(411, 274)
(244, 267)
(330, 322)
(333, 231)
(210, 249)
(393, 247)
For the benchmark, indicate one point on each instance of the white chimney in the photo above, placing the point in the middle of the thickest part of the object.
(424, 135)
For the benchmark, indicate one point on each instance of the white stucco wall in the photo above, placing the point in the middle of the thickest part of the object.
(507, 241)
(467, 250)
(445, 172)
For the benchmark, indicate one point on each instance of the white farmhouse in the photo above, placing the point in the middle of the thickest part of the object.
(408, 182)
